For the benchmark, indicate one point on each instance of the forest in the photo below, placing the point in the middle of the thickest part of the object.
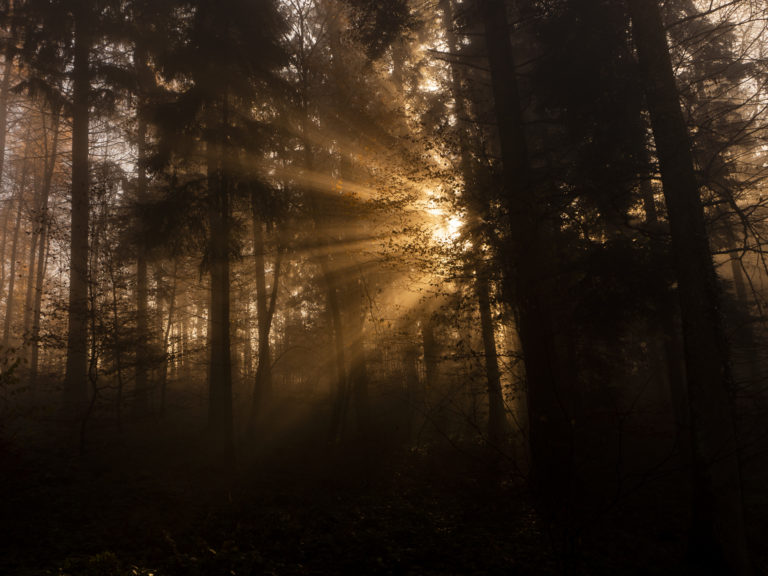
(419, 287)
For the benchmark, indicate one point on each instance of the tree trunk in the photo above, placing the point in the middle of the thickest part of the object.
(5, 88)
(76, 375)
(30, 290)
(496, 410)
(7, 209)
(220, 411)
(186, 304)
(50, 167)
(42, 252)
(528, 267)
(4, 93)
(118, 344)
(165, 332)
(9, 303)
(497, 424)
(38, 223)
(669, 341)
(141, 398)
(262, 391)
(718, 539)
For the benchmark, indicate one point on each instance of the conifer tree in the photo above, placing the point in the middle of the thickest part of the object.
(223, 68)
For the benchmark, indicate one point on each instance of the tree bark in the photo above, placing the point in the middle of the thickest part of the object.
(42, 248)
(5, 88)
(220, 411)
(4, 93)
(10, 300)
(262, 391)
(32, 254)
(50, 154)
(718, 538)
(76, 375)
(497, 420)
(496, 410)
(164, 335)
(528, 267)
(38, 220)
(7, 209)
(141, 398)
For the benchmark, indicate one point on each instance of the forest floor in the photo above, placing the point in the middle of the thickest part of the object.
(151, 502)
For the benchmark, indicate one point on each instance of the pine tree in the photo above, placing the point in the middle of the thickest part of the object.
(224, 69)
(718, 539)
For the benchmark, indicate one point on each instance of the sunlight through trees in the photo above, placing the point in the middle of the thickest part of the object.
(533, 231)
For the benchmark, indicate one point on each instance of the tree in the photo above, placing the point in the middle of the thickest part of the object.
(478, 210)
(718, 540)
(58, 38)
(265, 303)
(223, 69)
(50, 155)
(549, 390)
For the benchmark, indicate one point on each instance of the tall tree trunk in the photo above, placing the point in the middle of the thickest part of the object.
(165, 333)
(185, 306)
(5, 88)
(141, 398)
(497, 424)
(220, 412)
(42, 252)
(76, 375)
(118, 344)
(496, 410)
(4, 93)
(248, 374)
(30, 289)
(10, 300)
(718, 538)
(262, 391)
(37, 222)
(670, 340)
(50, 167)
(7, 209)
(550, 395)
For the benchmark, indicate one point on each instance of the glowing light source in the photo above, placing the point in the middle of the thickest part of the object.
(446, 226)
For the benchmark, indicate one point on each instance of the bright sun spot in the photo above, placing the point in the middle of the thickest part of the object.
(451, 231)
(446, 228)
(431, 85)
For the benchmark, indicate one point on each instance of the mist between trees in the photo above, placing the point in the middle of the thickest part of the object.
(515, 249)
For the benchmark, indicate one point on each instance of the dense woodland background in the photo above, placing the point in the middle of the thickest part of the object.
(402, 287)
